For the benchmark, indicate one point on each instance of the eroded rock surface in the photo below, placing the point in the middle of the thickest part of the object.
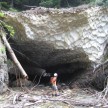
(3, 69)
(65, 28)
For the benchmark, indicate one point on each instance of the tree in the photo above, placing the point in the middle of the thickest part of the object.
(50, 3)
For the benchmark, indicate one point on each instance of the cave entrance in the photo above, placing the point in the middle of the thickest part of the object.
(67, 73)
(36, 57)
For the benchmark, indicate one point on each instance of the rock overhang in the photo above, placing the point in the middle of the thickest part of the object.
(65, 28)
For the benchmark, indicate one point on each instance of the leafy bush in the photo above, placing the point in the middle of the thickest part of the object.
(7, 27)
(10, 29)
(19, 4)
(13, 10)
(50, 3)
(2, 14)
(46, 3)
(4, 5)
(56, 3)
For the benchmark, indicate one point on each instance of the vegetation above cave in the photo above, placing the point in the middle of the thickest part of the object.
(16, 5)
(9, 29)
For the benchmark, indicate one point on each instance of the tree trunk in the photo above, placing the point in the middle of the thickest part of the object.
(14, 58)
(12, 4)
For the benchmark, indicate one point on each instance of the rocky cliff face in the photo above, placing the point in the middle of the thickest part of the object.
(3, 69)
(65, 28)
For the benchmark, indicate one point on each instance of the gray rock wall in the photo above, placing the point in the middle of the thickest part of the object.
(65, 28)
(3, 69)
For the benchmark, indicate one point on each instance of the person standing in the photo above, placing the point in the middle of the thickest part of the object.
(53, 81)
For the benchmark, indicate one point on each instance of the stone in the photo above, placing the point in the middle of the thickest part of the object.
(4, 80)
(70, 27)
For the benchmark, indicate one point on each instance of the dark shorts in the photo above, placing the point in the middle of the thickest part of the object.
(54, 87)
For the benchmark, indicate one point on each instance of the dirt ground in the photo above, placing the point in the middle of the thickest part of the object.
(40, 97)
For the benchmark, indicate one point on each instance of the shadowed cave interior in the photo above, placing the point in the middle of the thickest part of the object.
(40, 60)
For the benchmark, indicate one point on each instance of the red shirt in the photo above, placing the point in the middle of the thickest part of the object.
(53, 80)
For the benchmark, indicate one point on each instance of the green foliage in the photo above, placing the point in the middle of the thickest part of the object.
(10, 29)
(4, 5)
(2, 49)
(22, 2)
(2, 14)
(106, 3)
(13, 10)
(46, 3)
(56, 3)
(7, 27)
(99, 2)
(19, 4)
(50, 3)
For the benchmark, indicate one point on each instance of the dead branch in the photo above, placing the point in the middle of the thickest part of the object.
(36, 102)
(15, 98)
(30, 6)
(70, 102)
(73, 102)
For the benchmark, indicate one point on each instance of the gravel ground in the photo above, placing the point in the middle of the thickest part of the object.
(40, 97)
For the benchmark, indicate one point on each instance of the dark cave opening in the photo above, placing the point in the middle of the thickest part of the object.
(67, 74)
(72, 66)
(39, 57)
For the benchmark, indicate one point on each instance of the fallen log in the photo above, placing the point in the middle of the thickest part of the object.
(14, 58)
